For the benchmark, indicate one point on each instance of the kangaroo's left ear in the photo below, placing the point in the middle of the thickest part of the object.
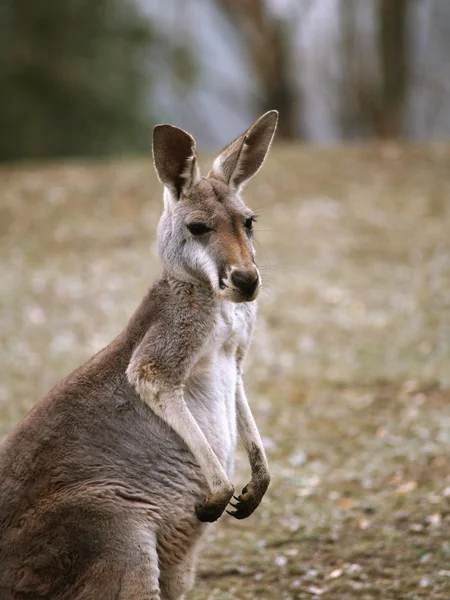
(241, 159)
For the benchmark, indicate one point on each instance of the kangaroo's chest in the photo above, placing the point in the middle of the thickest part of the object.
(231, 328)
(231, 331)
(211, 387)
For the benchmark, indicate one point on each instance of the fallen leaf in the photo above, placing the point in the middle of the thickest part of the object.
(346, 503)
(364, 524)
(406, 488)
(335, 574)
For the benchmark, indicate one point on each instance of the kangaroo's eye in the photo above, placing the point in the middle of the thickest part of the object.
(198, 228)
(249, 223)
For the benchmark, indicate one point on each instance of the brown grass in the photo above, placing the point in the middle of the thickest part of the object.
(349, 375)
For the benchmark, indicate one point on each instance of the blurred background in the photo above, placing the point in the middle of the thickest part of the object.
(91, 78)
(349, 373)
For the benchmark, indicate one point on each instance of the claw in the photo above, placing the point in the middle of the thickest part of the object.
(230, 513)
(233, 505)
(236, 497)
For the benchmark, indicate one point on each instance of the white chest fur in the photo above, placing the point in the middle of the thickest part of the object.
(232, 327)
(210, 390)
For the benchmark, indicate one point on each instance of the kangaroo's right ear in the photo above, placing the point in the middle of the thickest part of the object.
(175, 158)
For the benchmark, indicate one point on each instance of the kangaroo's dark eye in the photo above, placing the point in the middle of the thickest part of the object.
(198, 228)
(249, 223)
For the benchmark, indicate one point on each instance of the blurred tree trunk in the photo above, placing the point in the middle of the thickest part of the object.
(266, 40)
(374, 92)
(358, 91)
(393, 53)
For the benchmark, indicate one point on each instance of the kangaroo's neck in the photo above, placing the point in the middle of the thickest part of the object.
(169, 293)
(184, 286)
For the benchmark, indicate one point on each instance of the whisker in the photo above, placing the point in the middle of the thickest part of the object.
(267, 292)
(268, 268)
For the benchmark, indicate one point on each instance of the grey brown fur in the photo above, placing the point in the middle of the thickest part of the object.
(107, 484)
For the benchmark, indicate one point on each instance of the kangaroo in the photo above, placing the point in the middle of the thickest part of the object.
(107, 485)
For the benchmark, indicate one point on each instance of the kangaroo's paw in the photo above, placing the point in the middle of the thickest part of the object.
(214, 505)
(247, 502)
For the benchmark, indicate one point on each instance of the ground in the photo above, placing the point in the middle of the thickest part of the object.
(348, 377)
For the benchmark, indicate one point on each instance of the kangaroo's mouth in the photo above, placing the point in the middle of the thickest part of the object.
(233, 294)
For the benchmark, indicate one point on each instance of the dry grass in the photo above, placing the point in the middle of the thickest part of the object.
(349, 374)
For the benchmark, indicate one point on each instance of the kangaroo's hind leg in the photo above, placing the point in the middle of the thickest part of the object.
(116, 579)
(141, 577)
(177, 579)
(130, 572)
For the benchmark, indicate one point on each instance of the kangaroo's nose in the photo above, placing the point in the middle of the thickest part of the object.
(246, 280)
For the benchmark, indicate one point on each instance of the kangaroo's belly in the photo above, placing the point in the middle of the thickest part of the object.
(211, 387)
(210, 390)
(210, 394)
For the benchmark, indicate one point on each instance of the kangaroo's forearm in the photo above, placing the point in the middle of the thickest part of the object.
(254, 491)
(171, 407)
(251, 439)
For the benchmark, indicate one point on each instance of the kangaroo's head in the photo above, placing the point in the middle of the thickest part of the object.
(205, 232)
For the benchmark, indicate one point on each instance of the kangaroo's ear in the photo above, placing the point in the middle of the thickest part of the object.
(175, 158)
(241, 159)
